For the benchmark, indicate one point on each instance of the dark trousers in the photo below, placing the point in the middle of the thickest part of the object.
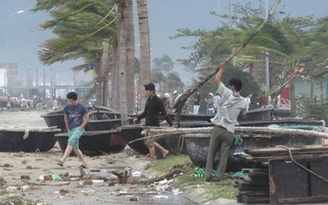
(221, 140)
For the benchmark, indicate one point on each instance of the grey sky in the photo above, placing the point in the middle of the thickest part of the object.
(165, 16)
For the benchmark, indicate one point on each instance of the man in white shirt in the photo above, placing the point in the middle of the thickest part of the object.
(231, 107)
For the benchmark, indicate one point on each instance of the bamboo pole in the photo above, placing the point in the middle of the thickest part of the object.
(182, 100)
(250, 131)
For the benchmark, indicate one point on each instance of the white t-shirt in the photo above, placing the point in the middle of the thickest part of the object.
(230, 106)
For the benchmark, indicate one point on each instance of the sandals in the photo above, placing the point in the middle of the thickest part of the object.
(60, 163)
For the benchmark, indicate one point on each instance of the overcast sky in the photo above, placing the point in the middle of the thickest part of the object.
(165, 16)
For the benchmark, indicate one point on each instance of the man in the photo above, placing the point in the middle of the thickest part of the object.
(196, 103)
(264, 99)
(210, 104)
(76, 118)
(154, 106)
(232, 105)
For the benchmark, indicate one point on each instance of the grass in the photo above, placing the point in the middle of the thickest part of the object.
(188, 182)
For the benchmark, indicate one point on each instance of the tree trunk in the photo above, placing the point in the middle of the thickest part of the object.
(104, 71)
(130, 59)
(114, 100)
(144, 46)
(123, 59)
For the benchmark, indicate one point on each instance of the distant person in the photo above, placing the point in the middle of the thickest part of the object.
(232, 106)
(186, 104)
(248, 100)
(264, 99)
(55, 104)
(166, 102)
(35, 101)
(8, 102)
(209, 104)
(154, 106)
(76, 118)
(216, 100)
(196, 100)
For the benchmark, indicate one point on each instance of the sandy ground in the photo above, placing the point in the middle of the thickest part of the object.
(21, 173)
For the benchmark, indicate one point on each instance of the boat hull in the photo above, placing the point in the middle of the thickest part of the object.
(252, 115)
(259, 114)
(107, 119)
(197, 148)
(21, 140)
(107, 124)
(55, 119)
(93, 143)
(172, 142)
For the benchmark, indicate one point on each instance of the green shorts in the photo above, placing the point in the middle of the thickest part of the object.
(74, 137)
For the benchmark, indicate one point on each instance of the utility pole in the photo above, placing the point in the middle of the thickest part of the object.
(267, 60)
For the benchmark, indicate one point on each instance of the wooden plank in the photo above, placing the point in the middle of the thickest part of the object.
(253, 193)
(287, 180)
(253, 200)
(311, 149)
(286, 158)
(299, 200)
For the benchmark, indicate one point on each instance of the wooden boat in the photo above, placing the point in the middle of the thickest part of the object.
(297, 123)
(94, 143)
(252, 115)
(56, 118)
(103, 120)
(27, 140)
(259, 114)
(255, 137)
(172, 142)
(281, 112)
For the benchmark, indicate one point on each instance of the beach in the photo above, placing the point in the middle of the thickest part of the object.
(24, 174)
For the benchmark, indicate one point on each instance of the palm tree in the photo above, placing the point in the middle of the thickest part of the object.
(83, 28)
(125, 57)
(144, 45)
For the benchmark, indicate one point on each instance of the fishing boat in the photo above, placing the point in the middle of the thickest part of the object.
(93, 143)
(197, 143)
(27, 140)
(103, 120)
(172, 142)
(263, 113)
(56, 118)
(252, 115)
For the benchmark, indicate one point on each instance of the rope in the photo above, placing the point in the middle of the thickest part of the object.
(26, 134)
(181, 142)
(238, 140)
(300, 165)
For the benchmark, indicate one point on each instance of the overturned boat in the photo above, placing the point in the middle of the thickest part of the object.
(197, 141)
(27, 140)
(171, 141)
(93, 143)
(56, 118)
